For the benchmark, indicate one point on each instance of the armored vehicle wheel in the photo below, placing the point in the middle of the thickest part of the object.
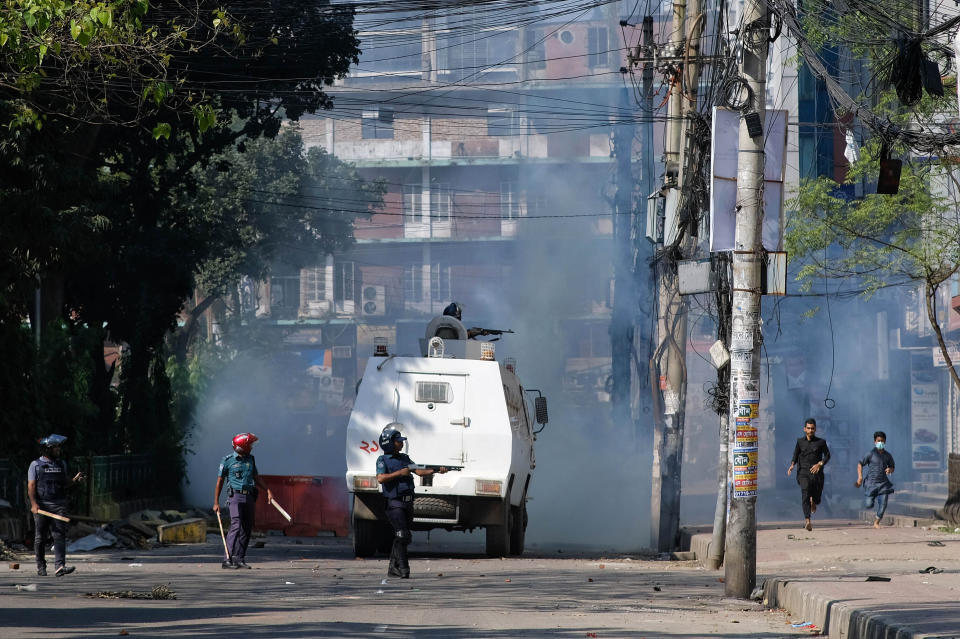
(498, 535)
(435, 507)
(518, 530)
(364, 537)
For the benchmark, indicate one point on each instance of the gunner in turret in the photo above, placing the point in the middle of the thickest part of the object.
(454, 310)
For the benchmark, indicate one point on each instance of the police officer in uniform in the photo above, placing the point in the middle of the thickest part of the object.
(47, 489)
(393, 473)
(239, 469)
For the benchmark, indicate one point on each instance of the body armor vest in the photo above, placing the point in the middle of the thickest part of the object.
(397, 487)
(51, 481)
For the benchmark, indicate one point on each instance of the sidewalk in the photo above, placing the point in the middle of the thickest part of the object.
(821, 577)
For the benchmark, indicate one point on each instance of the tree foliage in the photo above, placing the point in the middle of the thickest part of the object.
(111, 201)
(877, 241)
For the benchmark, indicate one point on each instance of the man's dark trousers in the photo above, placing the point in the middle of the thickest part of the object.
(400, 515)
(46, 526)
(811, 487)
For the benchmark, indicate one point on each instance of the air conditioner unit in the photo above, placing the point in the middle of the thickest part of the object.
(315, 308)
(566, 36)
(374, 300)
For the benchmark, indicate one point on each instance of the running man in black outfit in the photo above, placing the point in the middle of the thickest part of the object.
(811, 454)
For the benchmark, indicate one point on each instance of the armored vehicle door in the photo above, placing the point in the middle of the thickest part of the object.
(431, 408)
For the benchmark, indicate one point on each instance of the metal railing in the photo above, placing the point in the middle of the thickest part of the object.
(13, 485)
(130, 481)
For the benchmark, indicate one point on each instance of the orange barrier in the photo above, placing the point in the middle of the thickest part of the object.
(315, 504)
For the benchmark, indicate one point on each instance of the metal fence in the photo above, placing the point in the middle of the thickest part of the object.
(13, 485)
(115, 485)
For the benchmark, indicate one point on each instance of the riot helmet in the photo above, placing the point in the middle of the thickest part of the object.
(50, 442)
(453, 309)
(390, 436)
(243, 442)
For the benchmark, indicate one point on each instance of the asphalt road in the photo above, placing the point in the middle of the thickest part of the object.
(315, 588)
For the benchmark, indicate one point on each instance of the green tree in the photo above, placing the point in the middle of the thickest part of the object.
(877, 241)
(269, 200)
(94, 202)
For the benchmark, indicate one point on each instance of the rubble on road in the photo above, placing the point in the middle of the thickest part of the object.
(6, 553)
(158, 592)
(138, 531)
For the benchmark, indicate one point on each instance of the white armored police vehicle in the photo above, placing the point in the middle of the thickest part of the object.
(460, 408)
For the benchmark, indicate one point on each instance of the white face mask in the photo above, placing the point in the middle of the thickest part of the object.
(879, 445)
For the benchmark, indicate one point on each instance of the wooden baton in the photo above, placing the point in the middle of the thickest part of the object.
(53, 515)
(223, 537)
(282, 511)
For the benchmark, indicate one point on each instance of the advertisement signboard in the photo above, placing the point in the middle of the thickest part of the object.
(926, 448)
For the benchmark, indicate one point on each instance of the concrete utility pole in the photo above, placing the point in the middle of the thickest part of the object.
(741, 543)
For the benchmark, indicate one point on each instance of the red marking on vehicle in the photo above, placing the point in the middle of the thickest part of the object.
(370, 447)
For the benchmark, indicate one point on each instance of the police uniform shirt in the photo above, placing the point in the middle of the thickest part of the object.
(390, 464)
(46, 471)
(240, 471)
(808, 452)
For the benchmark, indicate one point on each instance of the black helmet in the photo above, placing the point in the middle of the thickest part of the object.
(453, 310)
(390, 436)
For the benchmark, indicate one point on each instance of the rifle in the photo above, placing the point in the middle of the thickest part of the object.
(477, 331)
(433, 467)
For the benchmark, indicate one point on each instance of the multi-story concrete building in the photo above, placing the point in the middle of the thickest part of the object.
(494, 141)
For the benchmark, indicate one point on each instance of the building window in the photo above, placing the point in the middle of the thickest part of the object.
(536, 51)
(344, 282)
(465, 49)
(440, 282)
(412, 283)
(284, 294)
(537, 204)
(391, 52)
(511, 205)
(377, 125)
(597, 47)
(441, 202)
(313, 284)
(502, 121)
(413, 202)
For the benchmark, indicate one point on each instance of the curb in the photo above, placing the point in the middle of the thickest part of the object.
(835, 618)
(905, 521)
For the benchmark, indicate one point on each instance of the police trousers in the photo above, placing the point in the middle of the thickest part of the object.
(400, 515)
(45, 527)
(242, 511)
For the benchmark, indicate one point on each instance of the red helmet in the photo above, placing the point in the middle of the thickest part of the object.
(243, 442)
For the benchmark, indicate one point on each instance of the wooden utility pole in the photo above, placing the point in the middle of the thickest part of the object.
(624, 291)
(672, 319)
(740, 561)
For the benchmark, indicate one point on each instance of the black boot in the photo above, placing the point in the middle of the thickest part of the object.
(394, 569)
(403, 564)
